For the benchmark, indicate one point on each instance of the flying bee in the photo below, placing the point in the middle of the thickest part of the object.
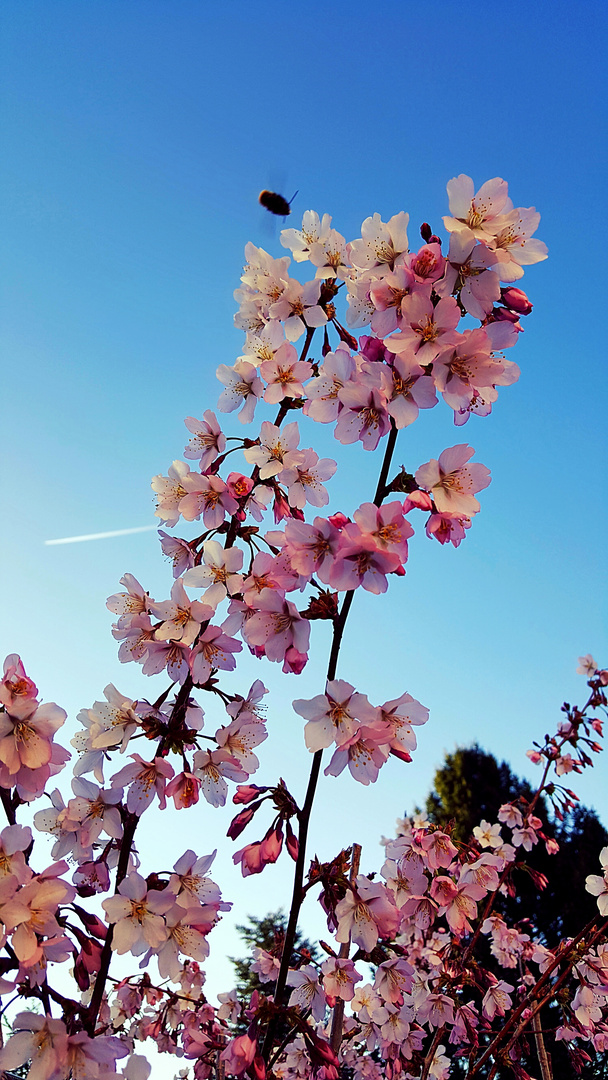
(275, 203)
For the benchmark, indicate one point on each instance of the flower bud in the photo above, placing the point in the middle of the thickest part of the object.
(246, 793)
(516, 300)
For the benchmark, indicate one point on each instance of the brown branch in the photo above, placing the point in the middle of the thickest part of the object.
(304, 816)
(338, 1017)
(541, 1050)
(106, 952)
(534, 994)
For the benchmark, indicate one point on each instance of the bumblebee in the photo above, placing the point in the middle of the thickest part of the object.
(275, 203)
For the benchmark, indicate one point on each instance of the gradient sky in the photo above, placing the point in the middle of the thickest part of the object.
(136, 138)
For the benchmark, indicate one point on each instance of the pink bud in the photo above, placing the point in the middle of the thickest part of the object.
(294, 662)
(517, 300)
(245, 793)
(400, 753)
(291, 842)
(272, 843)
(258, 1069)
(418, 499)
(338, 520)
(240, 821)
(250, 858)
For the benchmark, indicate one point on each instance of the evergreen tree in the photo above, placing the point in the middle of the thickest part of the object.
(471, 786)
(268, 934)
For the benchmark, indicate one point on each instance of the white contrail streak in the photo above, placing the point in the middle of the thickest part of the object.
(101, 536)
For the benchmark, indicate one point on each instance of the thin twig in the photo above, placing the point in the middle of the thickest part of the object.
(338, 1017)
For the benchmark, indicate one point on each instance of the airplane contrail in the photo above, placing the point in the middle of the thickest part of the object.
(101, 535)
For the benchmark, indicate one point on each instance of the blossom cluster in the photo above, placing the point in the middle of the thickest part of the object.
(439, 320)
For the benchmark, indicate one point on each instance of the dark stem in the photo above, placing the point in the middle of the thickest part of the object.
(106, 953)
(7, 803)
(338, 1017)
(304, 816)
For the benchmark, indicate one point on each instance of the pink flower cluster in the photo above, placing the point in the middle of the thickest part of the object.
(434, 994)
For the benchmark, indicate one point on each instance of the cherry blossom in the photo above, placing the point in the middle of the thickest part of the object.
(308, 993)
(273, 453)
(285, 375)
(137, 915)
(145, 779)
(381, 244)
(477, 211)
(208, 441)
(333, 716)
(218, 573)
(243, 389)
(452, 482)
(339, 978)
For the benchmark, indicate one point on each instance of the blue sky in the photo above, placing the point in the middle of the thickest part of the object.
(136, 139)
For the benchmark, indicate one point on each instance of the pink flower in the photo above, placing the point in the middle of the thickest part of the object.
(218, 574)
(426, 329)
(361, 562)
(137, 915)
(513, 244)
(15, 686)
(339, 978)
(40, 1040)
(238, 1055)
(440, 851)
(182, 617)
(210, 767)
(276, 625)
(387, 526)
(183, 789)
(214, 650)
(303, 479)
(496, 1001)
(25, 738)
(381, 243)
(308, 993)
(145, 779)
(388, 295)
(364, 415)
(333, 716)
(273, 453)
(470, 272)
(170, 490)
(478, 211)
(311, 548)
(208, 441)
(177, 551)
(452, 482)
(239, 737)
(323, 404)
(243, 389)
(364, 753)
(254, 857)
(285, 375)
(209, 496)
(366, 913)
(447, 528)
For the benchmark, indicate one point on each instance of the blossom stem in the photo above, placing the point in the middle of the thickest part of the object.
(131, 824)
(338, 1017)
(9, 808)
(541, 1050)
(428, 1061)
(533, 995)
(304, 816)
